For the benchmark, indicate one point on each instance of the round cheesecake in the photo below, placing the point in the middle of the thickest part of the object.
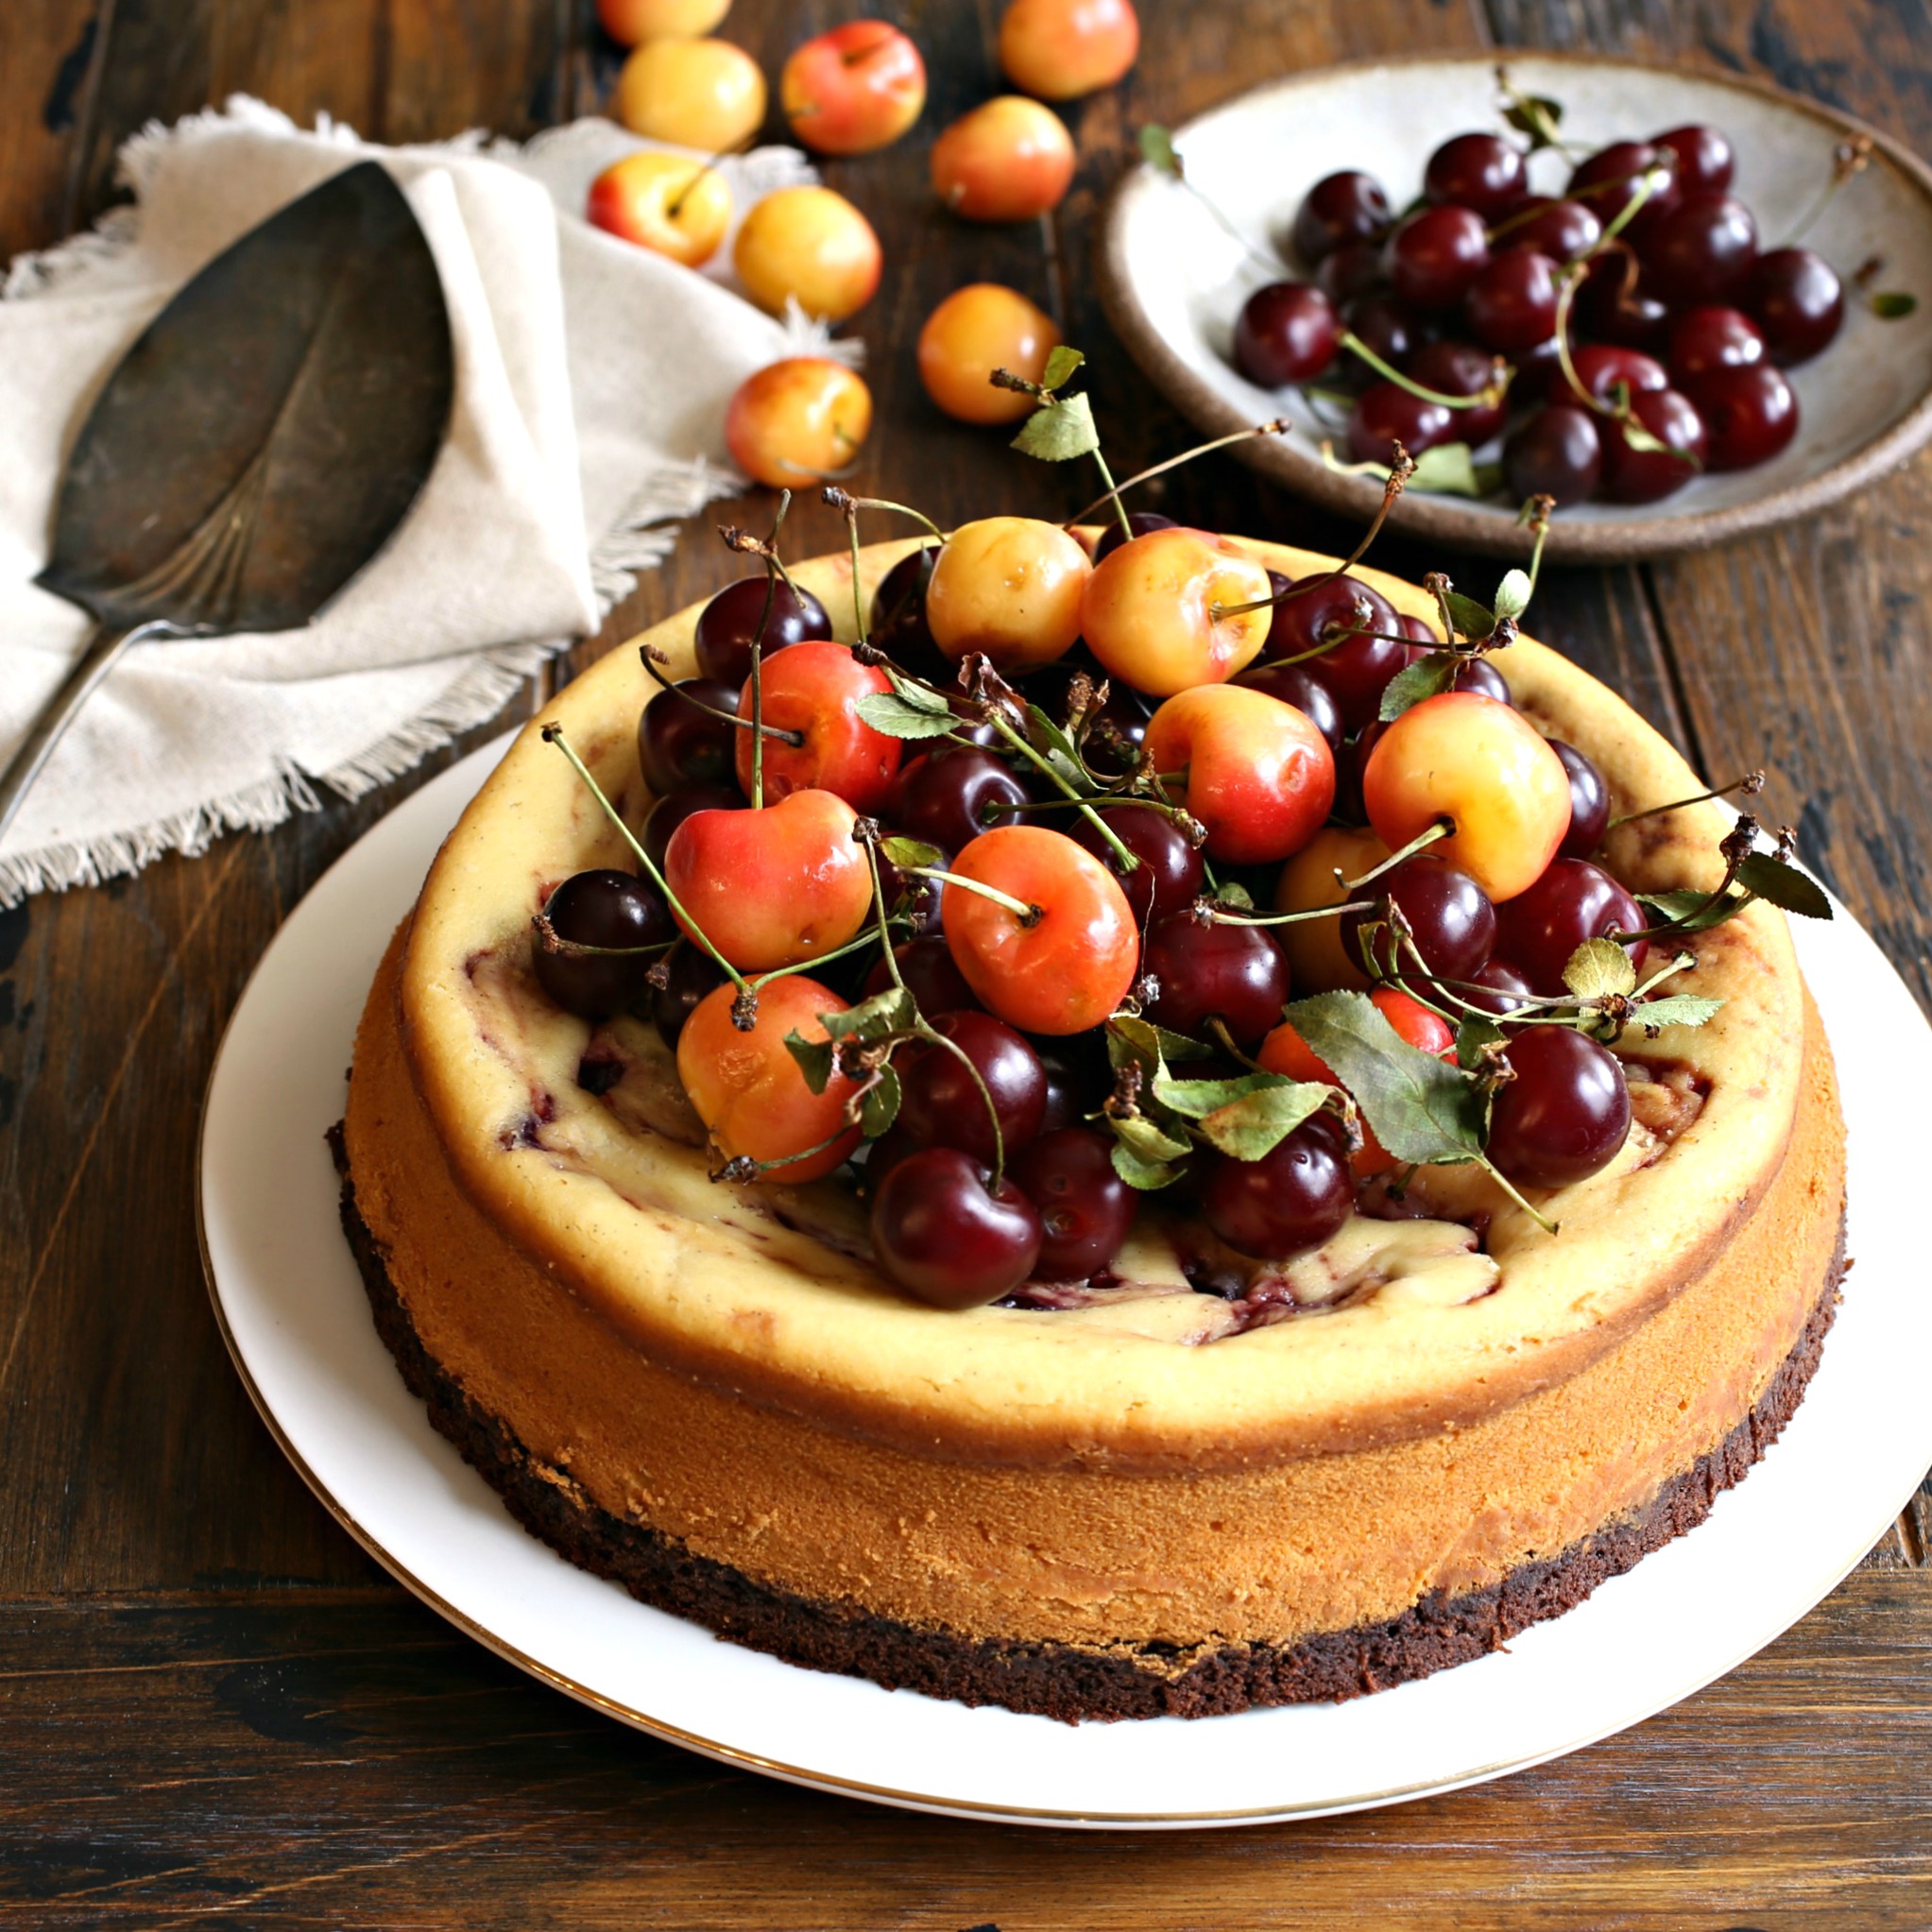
(1128, 1499)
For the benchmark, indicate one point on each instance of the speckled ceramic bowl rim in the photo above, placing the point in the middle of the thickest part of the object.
(1445, 519)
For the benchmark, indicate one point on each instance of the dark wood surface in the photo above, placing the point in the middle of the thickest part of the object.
(214, 1707)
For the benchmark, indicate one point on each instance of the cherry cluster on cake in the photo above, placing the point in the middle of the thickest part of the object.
(998, 909)
(1622, 337)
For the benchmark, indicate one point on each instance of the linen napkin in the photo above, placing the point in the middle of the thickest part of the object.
(592, 380)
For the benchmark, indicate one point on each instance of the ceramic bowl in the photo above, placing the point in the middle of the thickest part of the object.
(1172, 280)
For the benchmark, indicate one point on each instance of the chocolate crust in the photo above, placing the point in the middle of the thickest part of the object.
(1072, 1682)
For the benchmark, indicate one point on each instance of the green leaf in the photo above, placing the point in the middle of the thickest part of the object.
(1475, 1037)
(880, 1108)
(1258, 1122)
(1234, 895)
(1132, 1040)
(815, 1058)
(1784, 885)
(1536, 116)
(1422, 1109)
(1512, 595)
(1894, 304)
(1145, 1139)
(1196, 1098)
(1144, 1175)
(1157, 149)
(886, 711)
(1674, 1009)
(1060, 366)
(1427, 678)
(1598, 968)
(889, 1012)
(1691, 912)
(1472, 620)
(1053, 740)
(900, 850)
(1058, 430)
(1447, 469)
(921, 698)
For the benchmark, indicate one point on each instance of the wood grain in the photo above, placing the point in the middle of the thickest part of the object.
(213, 1706)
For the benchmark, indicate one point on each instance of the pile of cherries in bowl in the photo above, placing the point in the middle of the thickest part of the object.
(1049, 905)
(1678, 326)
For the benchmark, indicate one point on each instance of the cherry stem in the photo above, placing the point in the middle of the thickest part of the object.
(1508, 1188)
(1229, 916)
(1019, 741)
(1751, 784)
(805, 965)
(553, 941)
(767, 1167)
(1113, 494)
(1391, 487)
(1499, 381)
(1849, 158)
(1217, 1027)
(677, 207)
(858, 588)
(1027, 915)
(843, 500)
(1280, 426)
(773, 568)
(553, 734)
(794, 739)
(1442, 829)
(966, 1060)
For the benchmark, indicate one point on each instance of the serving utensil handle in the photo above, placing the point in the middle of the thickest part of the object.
(103, 648)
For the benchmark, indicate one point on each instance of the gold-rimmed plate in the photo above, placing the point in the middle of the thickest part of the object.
(1172, 280)
(291, 1308)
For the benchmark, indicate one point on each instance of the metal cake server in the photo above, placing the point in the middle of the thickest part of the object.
(259, 443)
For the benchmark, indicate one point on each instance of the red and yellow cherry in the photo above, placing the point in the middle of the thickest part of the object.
(857, 88)
(1061, 967)
(701, 94)
(813, 688)
(1259, 774)
(1161, 612)
(1285, 1051)
(798, 422)
(1199, 973)
(627, 22)
(1321, 963)
(810, 244)
(752, 1095)
(1482, 764)
(975, 331)
(1060, 49)
(1010, 587)
(1009, 159)
(776, 887)
(664, 202)
(943, 1233)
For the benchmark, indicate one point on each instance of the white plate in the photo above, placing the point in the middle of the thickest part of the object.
(1174, 281)
(292, 1309)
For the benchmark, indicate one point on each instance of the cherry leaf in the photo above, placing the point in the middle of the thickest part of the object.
(889, 1012)
(1146, 1176)
(1196, 1098)
(1476, 1039)
(896, 717)
(1599, 968)
(1894, 304)
(921, 698)
(1427, 678)
(1512, 595)
(1157, 149)
(1784, 885)
(1674, 1009)
(900, 850)
(815, 1058)
(1423, 1109)
(1694, 911)
(1232, 894)
(1447, 469)
(1472, 620)
(1258, 1122)
(1058, 430)
(1145, 1139)
(1132, 1040)
(880, 1108)
(1060, 366)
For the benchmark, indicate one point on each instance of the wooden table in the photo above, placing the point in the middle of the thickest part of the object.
(214, 1706)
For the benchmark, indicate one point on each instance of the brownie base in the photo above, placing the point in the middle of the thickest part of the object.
(1070, 1682)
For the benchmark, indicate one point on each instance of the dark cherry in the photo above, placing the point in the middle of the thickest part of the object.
(1459, 368)
(1480, 675)
(1607, 182)
(941, 1104)
(690, 974)
(671, 810)
(1589, 803)
(1422, 630)
(603, 908)
(1555, 453)
(947, 798)
(1603, 369)
(1704, 163)
(1169, 876)
(920, 901)
(1285, 332)
(1434, 256)
(1387, 414)
(1497, 987)
(1643, 476)
(899, 625)
(729, 624)
(1086, 1208)
(1353, 269)
(1511, 303)
(941, 1233)
(679, 744)
(1298, 685)
(882, 1156)
(1346, 207)
(1561, 229)
(1749, 415)
(1614, 304)
(1115, 732)
(1450, 919)
(1291, 1200)
(1566, 1113)
(1479, 171)
(1078, 1080)
(1391, 328)
(1574, 900)
(1799, 302)
(1140, 521)
(925, 966)
(1233, 973)
(1701, 250)
(1356, 671)
(1539, 376)
(1712, 337)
